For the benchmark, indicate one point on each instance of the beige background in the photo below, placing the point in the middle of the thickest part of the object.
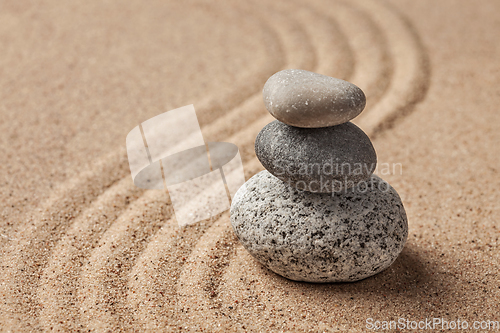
(82, 248)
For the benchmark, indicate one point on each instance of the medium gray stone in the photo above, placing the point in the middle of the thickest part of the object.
(323, 160)
(318, 237)
(306, 99)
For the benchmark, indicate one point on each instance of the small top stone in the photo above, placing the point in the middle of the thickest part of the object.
(301, 98)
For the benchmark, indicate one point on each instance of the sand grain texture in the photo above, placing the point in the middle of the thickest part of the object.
(81, 248)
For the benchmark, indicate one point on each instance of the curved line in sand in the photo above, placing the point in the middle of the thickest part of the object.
(96, 273)
(196, 283)
(213, 107)
(410, 79)
(371, 69)
(150, 310)
(59, 280)
(54, 293)
(103, 280)
(26, 256)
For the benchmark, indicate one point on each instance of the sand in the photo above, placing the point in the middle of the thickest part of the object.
(83, 249)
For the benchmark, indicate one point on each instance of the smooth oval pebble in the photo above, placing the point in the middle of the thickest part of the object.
(317, 237)
(326, 159)
(305, 99)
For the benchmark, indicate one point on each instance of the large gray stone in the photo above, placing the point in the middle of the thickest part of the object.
(306, 99)
(323, 160)
(319, 237)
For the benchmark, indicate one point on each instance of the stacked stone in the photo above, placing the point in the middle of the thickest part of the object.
(318, 213)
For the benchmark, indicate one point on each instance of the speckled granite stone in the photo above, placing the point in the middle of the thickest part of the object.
(305, 99)
(323, 160)
(319, 237)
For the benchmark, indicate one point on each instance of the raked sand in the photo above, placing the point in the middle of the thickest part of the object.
(81, 248)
